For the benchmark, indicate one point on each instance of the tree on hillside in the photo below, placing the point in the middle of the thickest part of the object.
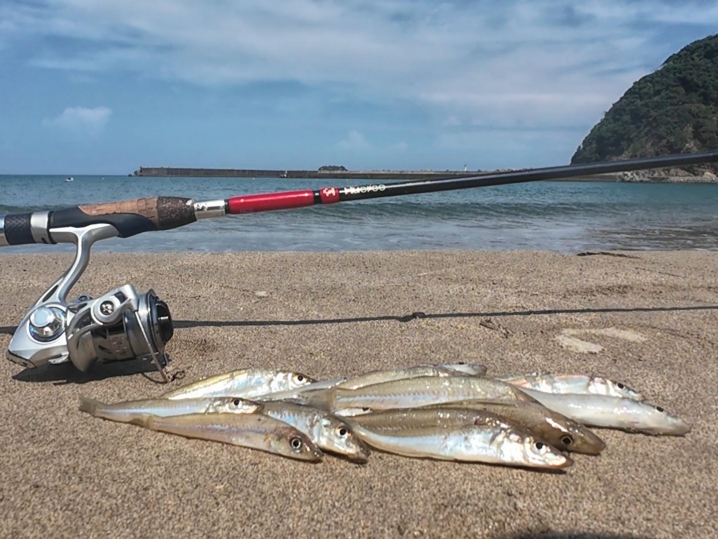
(673, 110)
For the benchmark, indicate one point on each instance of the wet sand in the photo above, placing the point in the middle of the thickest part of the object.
(66, 474)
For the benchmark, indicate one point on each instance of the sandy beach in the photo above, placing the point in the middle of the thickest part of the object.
(648, 319)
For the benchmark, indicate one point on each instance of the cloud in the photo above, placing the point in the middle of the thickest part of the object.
(550, 63)
(82, 119)
(355, 141)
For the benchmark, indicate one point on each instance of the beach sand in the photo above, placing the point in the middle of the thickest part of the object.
(648, 319)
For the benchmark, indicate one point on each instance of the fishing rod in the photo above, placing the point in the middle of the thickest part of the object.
(124, 324)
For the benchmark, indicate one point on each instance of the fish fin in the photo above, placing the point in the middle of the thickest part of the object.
(89, 405)
(142, 420)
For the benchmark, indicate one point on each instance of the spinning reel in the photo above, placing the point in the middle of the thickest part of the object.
(120, 325)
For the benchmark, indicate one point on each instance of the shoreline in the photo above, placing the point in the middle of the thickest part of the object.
(652, 316)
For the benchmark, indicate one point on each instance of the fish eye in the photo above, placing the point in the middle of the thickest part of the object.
(540, 445)
(566, 440)
(462, 363)
(300, 378)
(296, 443)
(619, 385)
(365, 409)
(659, 409)
(236, 402)
(342, 431)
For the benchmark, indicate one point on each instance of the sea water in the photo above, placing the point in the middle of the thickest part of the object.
(562, 216)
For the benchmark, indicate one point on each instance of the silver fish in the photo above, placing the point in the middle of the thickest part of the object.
(327, 431)
(488, 440)
(404, 373)
(245, 383)
(413, 392)
(614, 413)
(573, 384)
(255, 431)
(127, 411)
(558, 430)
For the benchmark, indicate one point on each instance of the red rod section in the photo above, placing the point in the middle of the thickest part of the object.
(270, 201)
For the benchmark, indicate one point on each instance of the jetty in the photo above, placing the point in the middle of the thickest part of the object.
(333, 173)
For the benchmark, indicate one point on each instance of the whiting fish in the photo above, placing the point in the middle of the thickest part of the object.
(245, 383)
(573, 384)
(488, 440)
(254, 431)
(382, 376)
(413, 392)
(614, 413)
(558, 430)
(128, 411)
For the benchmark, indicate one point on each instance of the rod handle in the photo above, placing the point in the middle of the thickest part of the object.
(129, 217)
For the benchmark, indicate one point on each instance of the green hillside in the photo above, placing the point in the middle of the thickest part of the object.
(673, 110)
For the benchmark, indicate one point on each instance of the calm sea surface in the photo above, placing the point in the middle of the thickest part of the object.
(557, 216)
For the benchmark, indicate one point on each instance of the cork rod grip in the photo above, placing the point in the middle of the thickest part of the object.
(129, 217)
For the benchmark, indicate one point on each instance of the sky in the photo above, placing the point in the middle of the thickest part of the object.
(107, 86)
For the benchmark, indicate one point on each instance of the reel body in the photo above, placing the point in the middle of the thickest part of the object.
(117, 326)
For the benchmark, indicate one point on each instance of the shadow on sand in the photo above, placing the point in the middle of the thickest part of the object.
(66, 373)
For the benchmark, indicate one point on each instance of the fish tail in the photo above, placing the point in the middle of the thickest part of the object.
(90, 406)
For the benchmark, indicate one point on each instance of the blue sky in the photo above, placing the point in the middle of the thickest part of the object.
(103, 86)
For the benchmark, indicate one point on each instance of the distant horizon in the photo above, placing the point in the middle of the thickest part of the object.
(418, 171)
(368, 170)
(93, 88)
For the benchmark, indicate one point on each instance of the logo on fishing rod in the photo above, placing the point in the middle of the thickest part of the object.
(329, 195)
(364, 189)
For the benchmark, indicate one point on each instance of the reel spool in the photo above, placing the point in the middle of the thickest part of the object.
(118, 326)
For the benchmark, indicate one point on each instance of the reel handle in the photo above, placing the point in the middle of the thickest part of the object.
(128, 217)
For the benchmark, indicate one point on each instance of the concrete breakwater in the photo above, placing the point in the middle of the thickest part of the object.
(303, 174)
